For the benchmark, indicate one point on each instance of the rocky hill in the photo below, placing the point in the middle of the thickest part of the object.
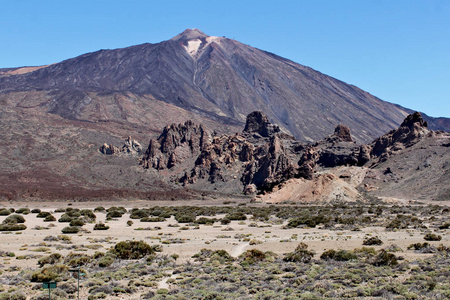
(216, 78)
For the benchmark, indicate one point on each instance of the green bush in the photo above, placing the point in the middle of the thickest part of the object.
(101, 226)
(49, 273)
(385, 259)
(300, 254)
(114, 214)
(204, 220)
(99, 209)
(139, 214)
(43, 214)
(73, 212)
(49, 218)
(35, 210)
(77, 259)
(65, 218)
(24, 211)
(88, 215)
(77, 222)
(70, 229)
(253, 256)
(340, 255)
(418, 246)
(105, 261)
(184, 218)
(5, 212)
(225, 221)
(14, 219)
(132, 249)
(153, 219)
(12, 227)
(344, 255)
(49, 260)
(236, 216)
(329, 254)
(372, 241)
(432, 237)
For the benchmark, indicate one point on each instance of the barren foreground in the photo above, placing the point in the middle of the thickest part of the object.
(270, 251)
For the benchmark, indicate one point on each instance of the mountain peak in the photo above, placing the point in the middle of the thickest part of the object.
(190, 34)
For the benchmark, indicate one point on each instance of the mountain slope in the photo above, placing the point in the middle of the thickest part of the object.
(214, 77)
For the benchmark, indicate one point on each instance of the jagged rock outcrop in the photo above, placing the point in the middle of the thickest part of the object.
(176, 143)
(409, 133)
(271, 168)
(261, 157)
(257, 122)
(130, 146)
(343, 132)
(338, 149)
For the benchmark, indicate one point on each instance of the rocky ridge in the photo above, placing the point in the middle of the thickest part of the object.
(262, 159)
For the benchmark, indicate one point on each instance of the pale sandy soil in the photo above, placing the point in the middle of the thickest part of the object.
(273, 237)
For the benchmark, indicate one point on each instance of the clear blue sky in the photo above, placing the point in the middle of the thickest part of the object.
(397, 50)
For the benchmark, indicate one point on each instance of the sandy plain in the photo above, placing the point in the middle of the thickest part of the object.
(269, 236)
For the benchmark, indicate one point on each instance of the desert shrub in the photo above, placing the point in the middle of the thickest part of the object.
(49, 273)
(35, 210)
(445, 225)
(24, 211)
(68, 287)
(132, 249)
(372, 241)
(422, 247)
(5, 212)
(105, 261)
(49, 218)
(345, 255)
(99, 209)
(101, 226)
(88, 215)
(49, 260)
(203, 220)
(255, 242)
(120, 209)
(139, 213)
(18, 295)
(77, 259)
(294, 223)
(73, 212)
(65, 218)
(340, 255)
(253, 256)
(129, 222)
(385, 259)
(404, 221)
(12, 227)
(236, 216)
(184, 218)
(432, 237)
(207, 254)
(300, 254)
(114, 214)
(14, 219)
(77, 222)
(43, 214)
(328, 254)
(153, 219)
(225, 221)
(60, 210)
(70, 229)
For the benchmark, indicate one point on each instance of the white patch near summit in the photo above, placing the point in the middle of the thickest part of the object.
(194, 45)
